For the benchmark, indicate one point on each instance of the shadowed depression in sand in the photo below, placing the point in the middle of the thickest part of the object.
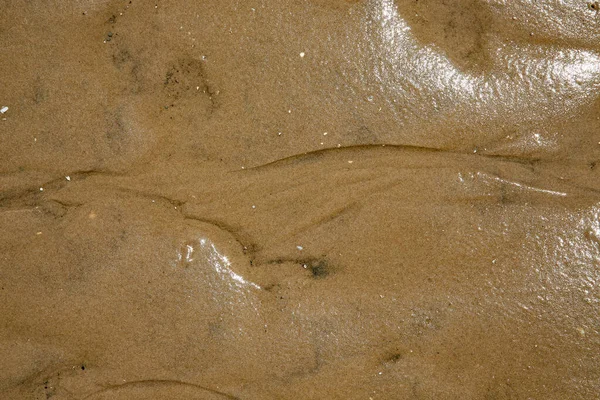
(300, 199)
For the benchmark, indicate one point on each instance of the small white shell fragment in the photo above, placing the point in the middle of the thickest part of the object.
(3, 109)
(299, 247)
(68, 178)
(302, 55)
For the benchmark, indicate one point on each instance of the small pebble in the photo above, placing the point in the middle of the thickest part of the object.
(302, 55)
(3, 110)
(300, 248)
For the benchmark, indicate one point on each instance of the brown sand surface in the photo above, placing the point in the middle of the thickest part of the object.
(299, 199)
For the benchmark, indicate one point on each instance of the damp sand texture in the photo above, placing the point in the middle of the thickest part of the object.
(299, 199)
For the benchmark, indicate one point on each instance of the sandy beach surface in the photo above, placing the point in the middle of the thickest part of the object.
(299, 199)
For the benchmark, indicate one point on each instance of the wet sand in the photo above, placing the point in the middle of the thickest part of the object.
(316, 199)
